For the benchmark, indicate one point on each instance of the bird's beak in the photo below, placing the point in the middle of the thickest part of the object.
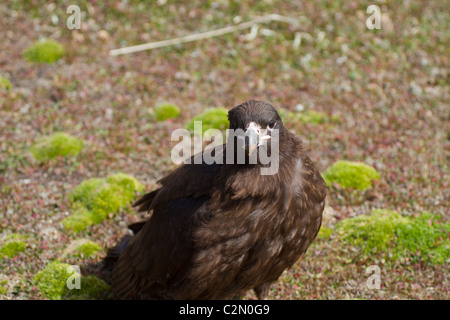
(251, 138)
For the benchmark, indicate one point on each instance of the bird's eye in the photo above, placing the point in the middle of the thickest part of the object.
(272, 124)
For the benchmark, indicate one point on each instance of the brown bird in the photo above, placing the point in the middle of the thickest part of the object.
(217, 230)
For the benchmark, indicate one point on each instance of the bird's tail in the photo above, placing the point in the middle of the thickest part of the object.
(113, 254)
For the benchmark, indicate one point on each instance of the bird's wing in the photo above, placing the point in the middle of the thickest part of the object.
(189, 180)
(315, 190)
(163, 245)
(160, 250)
(316, 185)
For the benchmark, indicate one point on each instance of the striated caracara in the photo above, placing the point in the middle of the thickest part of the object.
(217, 230)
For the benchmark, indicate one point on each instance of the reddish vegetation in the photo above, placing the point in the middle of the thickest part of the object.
(388, 87)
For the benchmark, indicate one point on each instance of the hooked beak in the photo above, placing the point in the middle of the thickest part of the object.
(252, 137)
(251, 140)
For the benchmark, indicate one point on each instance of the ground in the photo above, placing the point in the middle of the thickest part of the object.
(384, 92)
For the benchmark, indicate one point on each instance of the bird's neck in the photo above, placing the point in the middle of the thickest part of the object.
(252, 180)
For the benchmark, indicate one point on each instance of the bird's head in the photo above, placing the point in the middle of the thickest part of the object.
(257, 121)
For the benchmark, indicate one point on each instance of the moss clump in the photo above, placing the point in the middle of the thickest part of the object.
(4, 83)
(349, 174)
(44, 51)
(52, 282)
(387, 233)
(308, 116)
(94, 199)
(325, 232)
(87, 249)
(3, 283)
(215, 118)
(12, 248)
(425, 235)
(372, 233)
(81, 248)
(12, 245)
(165, 111)
(79, 220)
(14, 236)
(285, 115)
(58, 144)
(91, 287)
(313, 117)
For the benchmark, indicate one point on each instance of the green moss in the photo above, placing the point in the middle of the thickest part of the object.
(425, 235)
(4, 83)
(3, 283)
(336, 118)
(372, 233)
(91, 287)
(85, 192)
(308, 116)
(325, 232)
(12, 245)
(52, 283)
(87, 249)
(350, 174)
(284, 114)
(93, 200)
(15, 236)
(44, 51)
(313, 117)
(387, 233)
(58, 144)
(215, 118)
(166, 111)
(12, 248)
(79, 220)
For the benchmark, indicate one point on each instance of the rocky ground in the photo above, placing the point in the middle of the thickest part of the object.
(378, 97)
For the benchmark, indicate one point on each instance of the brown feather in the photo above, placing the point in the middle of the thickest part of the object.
(218, 230)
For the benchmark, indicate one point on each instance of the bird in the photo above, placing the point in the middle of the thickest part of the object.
(218, 230)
